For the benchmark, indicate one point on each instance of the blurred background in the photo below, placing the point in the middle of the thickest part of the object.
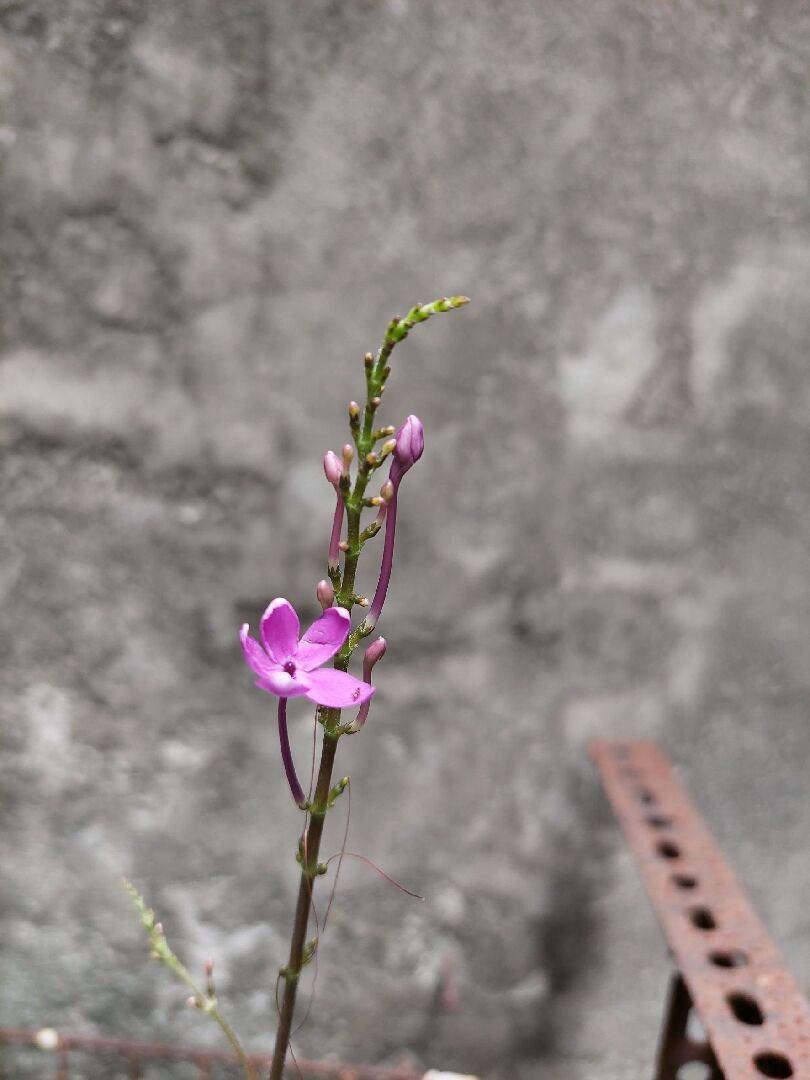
(210, 211)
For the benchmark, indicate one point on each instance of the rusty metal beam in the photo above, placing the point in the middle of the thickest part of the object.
(137, 1054)
(756, 1019)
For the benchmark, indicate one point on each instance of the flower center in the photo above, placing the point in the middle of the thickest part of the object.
(289, 667)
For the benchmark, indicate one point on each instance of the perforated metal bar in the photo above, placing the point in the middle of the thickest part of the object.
(756, 1018)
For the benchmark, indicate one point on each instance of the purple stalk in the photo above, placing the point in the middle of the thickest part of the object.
(373, 654)
(386, 565)
(334, 542)
(286, 754)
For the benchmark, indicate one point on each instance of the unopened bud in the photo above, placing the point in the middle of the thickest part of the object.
(344, 545)
(368, 359)
(361, 600)
(387, 492)
(354, 410)
(194, 1002)
(325, 592)
(348, 455)
(375, 401)
(375, 500)
(209, 968)
(410, 444)
(388, 447)
(332, 467)
(372, 458)
(375, 651)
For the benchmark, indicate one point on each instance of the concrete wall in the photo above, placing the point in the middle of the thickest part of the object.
(209, 212)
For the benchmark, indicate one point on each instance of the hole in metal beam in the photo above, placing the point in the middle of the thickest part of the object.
(667, 850)
(746, 1009)
(702, 918)
(775, 1065)
(684, 881)
(731, 958)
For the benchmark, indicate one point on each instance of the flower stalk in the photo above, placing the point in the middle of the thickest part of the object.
(405, 448)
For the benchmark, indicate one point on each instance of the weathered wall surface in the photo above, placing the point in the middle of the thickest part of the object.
(209, 211)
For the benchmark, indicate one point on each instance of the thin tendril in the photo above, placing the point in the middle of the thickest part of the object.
(342, 850)
(294, 1058)
(374, 866)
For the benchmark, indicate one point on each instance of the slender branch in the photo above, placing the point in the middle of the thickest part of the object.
(205, 1001)
(309, 870)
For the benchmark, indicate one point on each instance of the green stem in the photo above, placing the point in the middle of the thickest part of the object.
(230, 1035)
(207, 1001)
(309, 869)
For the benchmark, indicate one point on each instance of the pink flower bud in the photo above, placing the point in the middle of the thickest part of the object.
(375, 652)
(410, 443)
(332, 467)
(387, 491)
(325, 592)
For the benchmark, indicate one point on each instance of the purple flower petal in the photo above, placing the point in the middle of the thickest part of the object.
(279, 629)
(256, 657)
(323, 639)
(336, 689)
(283, 685)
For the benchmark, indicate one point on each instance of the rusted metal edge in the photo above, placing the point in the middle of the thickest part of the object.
(48, 1039)
(755, 1015)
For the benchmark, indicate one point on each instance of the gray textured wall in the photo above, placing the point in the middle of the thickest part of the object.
(209, 211)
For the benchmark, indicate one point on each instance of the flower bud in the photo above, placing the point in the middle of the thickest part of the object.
(375, 651)
(348, 456)
(410, 443)
(388, 447)
(332, 467)
(325, 592)
(387, 491)
(354, 410)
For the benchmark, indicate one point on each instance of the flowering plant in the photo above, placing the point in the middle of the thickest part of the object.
(288, 664)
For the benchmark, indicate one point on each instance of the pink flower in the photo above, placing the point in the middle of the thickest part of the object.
(289, 667)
